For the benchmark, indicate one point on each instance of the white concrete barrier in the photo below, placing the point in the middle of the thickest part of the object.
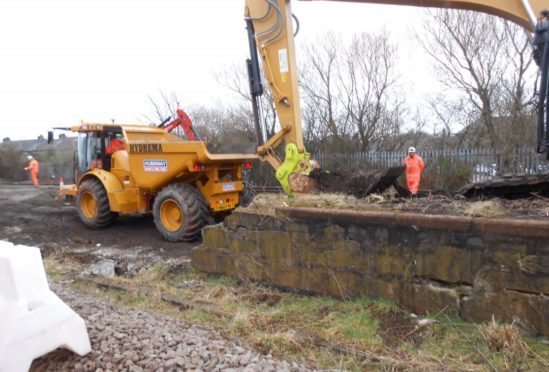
(33, 320)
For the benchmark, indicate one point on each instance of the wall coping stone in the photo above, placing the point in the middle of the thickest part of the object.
(500, 226)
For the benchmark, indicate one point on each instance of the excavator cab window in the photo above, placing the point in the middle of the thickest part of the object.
(89, 151)
(86, 146)
(92, 149)
(111, 136)
(111, 139)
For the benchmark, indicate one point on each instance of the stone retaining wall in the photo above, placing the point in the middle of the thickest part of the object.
(471, 267)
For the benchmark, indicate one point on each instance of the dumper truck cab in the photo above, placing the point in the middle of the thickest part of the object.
(153, 171)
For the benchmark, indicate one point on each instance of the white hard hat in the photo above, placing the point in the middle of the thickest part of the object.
(412, 149)
(29, 157)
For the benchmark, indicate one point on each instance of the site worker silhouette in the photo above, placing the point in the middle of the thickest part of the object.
(115, 144)
(414, 166)
(34, 169)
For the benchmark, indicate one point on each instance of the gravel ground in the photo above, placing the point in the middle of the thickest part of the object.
(124, 339)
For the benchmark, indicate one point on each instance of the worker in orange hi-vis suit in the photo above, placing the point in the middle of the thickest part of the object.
(34, 169)
(115, 144)
(414, 166)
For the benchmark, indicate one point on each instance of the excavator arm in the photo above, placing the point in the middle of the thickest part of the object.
(184, 122)
(271, 38)
(270, 25)
(522, 12)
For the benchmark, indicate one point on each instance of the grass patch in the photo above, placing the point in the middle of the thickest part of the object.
(326, 333)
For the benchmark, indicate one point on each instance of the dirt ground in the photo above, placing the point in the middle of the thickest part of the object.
(534, 207)
(39, 218)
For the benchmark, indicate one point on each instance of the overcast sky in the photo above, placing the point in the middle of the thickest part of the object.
(62, 61)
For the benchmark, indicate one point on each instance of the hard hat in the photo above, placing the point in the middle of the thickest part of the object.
(29, 157)
(412, 149)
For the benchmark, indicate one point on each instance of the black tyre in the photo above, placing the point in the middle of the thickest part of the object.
(93, 206)
(247, 195)
(180, 212)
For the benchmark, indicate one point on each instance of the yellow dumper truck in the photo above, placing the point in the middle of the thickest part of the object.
(153, 170)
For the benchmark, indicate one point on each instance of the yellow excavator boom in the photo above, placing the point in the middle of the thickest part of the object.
(522, 12)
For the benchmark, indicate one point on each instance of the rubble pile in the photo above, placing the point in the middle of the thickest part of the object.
(358, 182)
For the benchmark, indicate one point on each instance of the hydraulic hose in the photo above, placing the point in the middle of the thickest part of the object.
(276, 23)
(296, 24)
(280, 21)
(547, 93)
(261, 18)
(543, 104)
(165, 121)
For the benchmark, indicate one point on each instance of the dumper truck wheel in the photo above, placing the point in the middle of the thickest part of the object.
(93, 205)
(180, 212)
(247, 195)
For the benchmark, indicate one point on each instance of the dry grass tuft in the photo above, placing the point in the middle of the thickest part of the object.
(151, 275)
(286, 341)
(490, 208)
(242, 324)
(221, 293)
(265, 204)
(505, 339)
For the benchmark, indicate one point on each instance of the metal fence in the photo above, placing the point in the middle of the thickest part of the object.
(483, 163)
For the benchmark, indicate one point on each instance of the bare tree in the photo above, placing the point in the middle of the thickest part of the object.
(450, 121)
(311, 131)
(163, 107)
(319, 83)
(350, 98)
(488, 60)
(235, 78)
(518, 86)
(226, 129)
(467, 53)
(369, 96)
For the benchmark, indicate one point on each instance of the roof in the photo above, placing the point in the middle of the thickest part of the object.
(41, 144)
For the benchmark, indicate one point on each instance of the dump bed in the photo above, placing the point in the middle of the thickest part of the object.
(156, 158)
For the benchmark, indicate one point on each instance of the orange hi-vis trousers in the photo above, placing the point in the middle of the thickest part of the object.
(413, 182)
(34, 176)
(34, 168)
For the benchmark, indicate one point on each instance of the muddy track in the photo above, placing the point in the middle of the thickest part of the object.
(34, 217)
